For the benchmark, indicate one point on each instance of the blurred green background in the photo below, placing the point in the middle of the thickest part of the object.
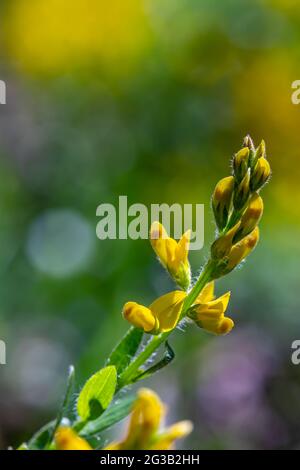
(149, 99)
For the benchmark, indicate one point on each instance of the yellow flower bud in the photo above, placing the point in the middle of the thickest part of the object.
(139, 316)
(67, 439)
(250, 218)
(260, 152)
(221, 200)
(260, 174)
(240, 163)
(242, 192)
(222, 245)
(241, 250)
(161, 316)
(248, 142)
(173, 255)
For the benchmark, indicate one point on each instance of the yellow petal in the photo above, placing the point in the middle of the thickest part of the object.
(225, 326)
(167, 309)
(242, 249)
(222, 245)
(218, 326)
(215, 307)
(164, 246)
(182, 249)
(251, 217)
(144, 422)
(67, 439)
(139, 316)
(172, 255)
(166, 440)
(151, 410)
(157, 231)
(207, 293)
(210, 316)
(172, 263)
(113, 446)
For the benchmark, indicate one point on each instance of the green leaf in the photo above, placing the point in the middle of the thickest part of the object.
(66, 401)
(169, 355)
(97, 393)
(123, 354)
(115, 413)
(42, 437)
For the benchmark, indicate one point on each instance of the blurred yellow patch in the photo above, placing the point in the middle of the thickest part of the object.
(50, 36)
(67, 439)
(144, 431)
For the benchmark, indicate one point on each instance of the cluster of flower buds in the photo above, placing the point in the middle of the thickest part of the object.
(238, 207)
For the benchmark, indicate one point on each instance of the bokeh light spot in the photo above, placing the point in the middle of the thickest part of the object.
(60, 242)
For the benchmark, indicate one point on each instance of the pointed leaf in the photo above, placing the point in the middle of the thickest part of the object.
(42, 437)
(97, 393)
(123, 354)
(169, 355)
(115, 413)
(66, 401)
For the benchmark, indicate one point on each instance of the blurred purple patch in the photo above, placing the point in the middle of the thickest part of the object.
(232, 389)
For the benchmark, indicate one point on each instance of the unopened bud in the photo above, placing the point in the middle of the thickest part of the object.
(260, 174)
(222, 246)
(242, 249)
(242, 192)
(250, 218)
(240, 163)
(259, 152)
(221, 200)
(248, 142)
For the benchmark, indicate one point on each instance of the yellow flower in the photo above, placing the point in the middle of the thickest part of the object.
(143, 431)
(208, 312)
(67, 439)
(161, 316)
(172, 254)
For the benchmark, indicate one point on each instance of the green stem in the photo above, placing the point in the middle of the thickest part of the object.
(156, 341)
(153, 344)
(204, 278)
